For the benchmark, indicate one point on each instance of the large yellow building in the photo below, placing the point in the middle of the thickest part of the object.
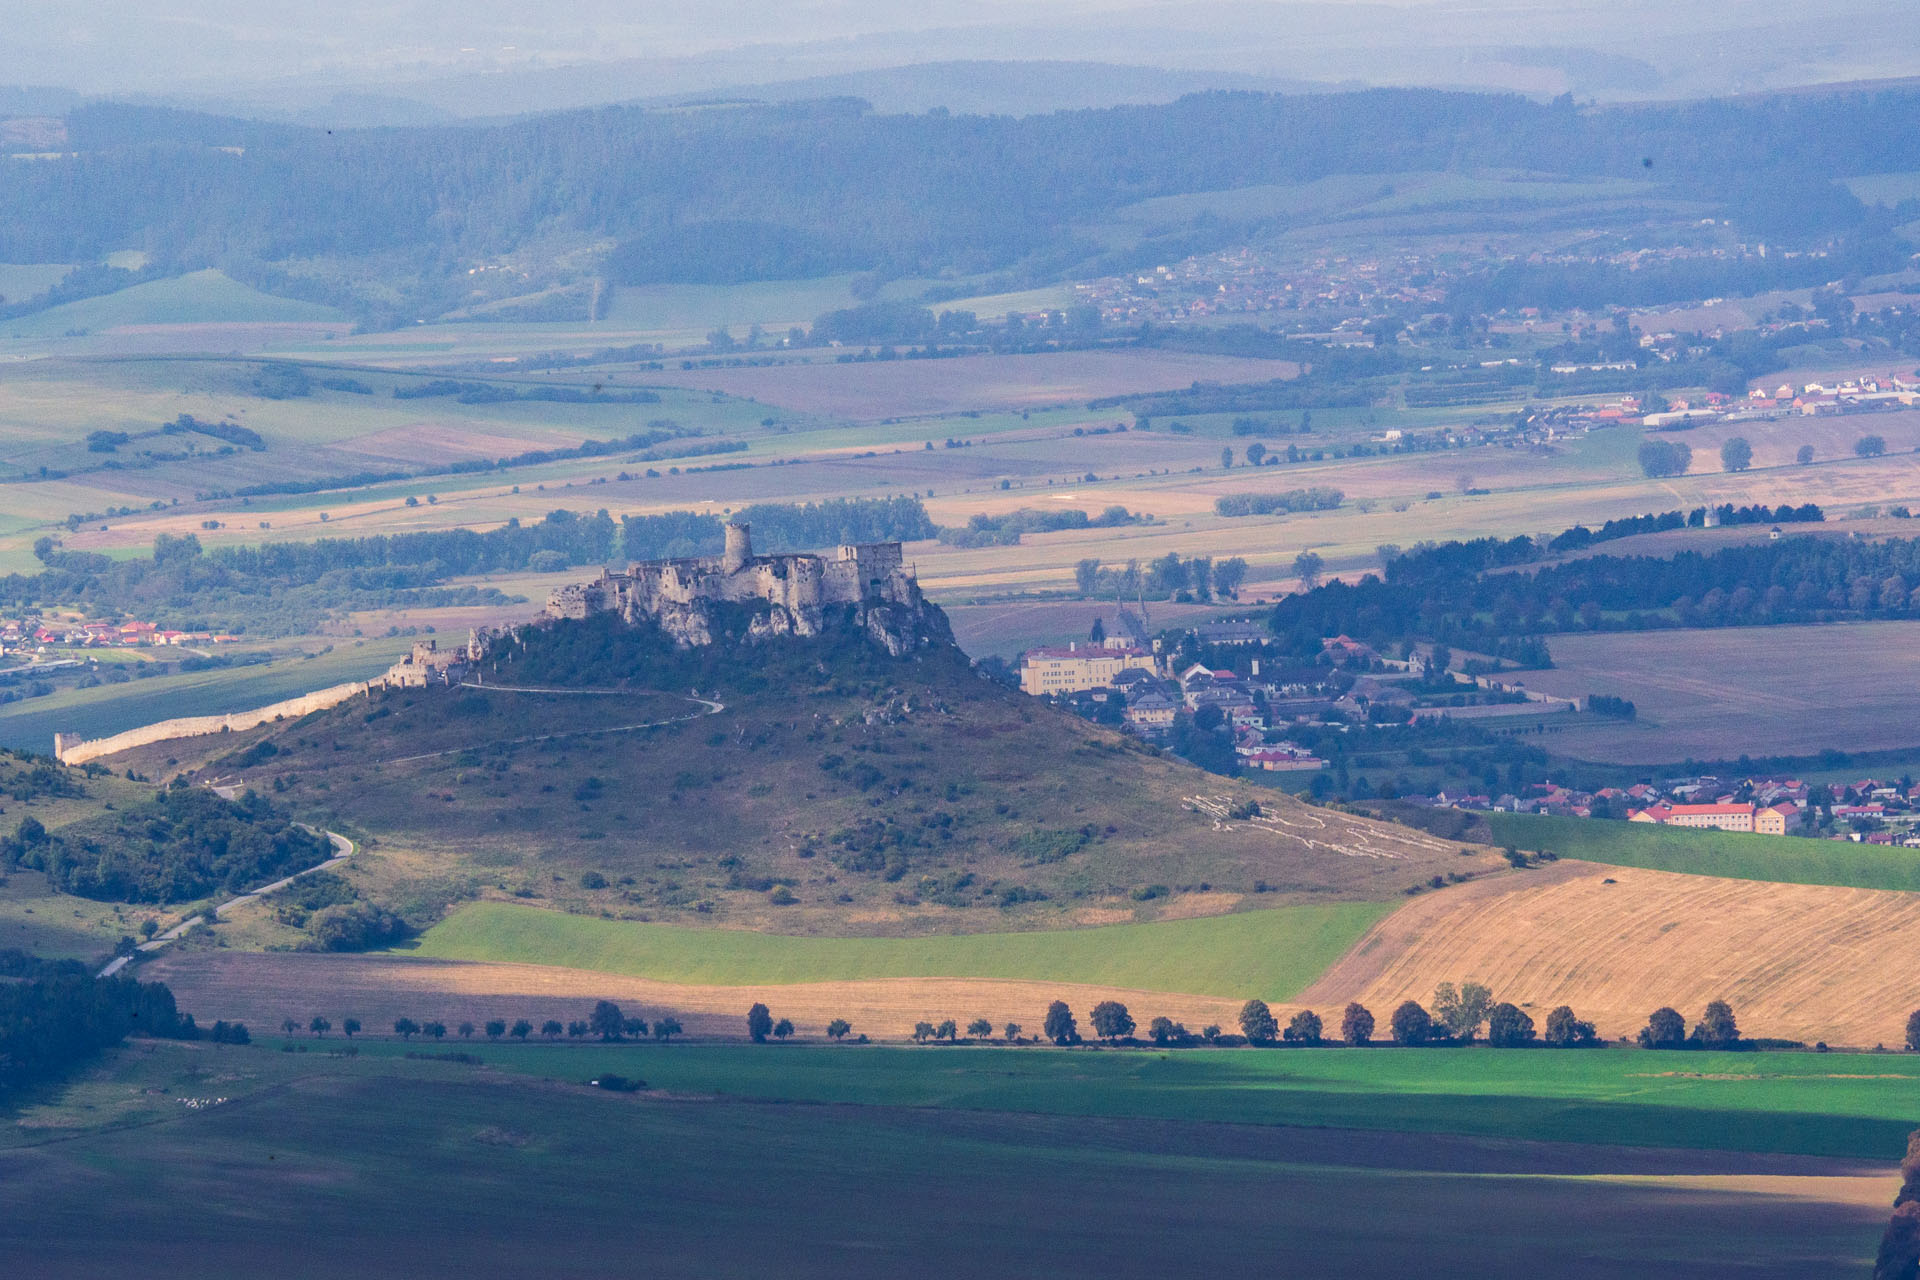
(1074, 668)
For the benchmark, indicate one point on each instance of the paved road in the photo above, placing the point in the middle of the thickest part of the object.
(343, 849)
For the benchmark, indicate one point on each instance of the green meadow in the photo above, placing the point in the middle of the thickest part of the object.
(1272, 954)
(1735, 856)
(242, 1162)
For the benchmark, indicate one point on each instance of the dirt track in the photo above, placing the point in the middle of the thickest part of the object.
(262, 989)
(1804, 962)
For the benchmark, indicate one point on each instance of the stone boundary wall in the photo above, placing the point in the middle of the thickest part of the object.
(71, 749)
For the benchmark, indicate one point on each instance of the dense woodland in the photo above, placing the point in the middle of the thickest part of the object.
(183, 844)
(1479, 594)
(54, 1015)
(769, 192)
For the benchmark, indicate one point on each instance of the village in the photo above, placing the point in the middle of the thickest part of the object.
(1866, 811)
(32, 638)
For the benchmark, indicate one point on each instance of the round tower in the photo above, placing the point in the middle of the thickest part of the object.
(739, 547)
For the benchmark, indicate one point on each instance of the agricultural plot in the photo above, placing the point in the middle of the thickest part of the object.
(1716, 694)
(245, 1136)
(1800, 962)
(1728, 854)
(1271, 953)
(897, 388)
(199, 298)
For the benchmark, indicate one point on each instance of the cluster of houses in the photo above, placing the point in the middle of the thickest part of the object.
(1153, 696)
(24, 637)
(1863, 394)
(1869, 811)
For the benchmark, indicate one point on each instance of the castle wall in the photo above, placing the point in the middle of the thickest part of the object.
(71, 750)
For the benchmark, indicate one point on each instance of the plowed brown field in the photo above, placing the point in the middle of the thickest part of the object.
(263, 989)
(1805, 962)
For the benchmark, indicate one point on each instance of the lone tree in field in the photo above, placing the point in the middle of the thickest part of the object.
(1356, 1025)
(1161, 1029)
(1736, 454)
(552, 1029)
(838, 1028)
(1059, 1025)
(665, 1029)
(1564, 1031)
(1716, 1028)
(1665, 1029)
(521, 1029)
(635, 1027)
(1303, 1028)
(1804, 454)
(1307, 567)
(782, 1029)
(980, 1029)
(1257, 1022)
(759, 1023)
(351, 1026)
(1410, 1024)
(436, 1029)
(1461, 1011)
(406, 1028)
(948, 1030)
(1111, 1020)
(922, 1032)
(319, 1026)
(1508, 1027)
(1012, 1030)
(606, 1021)
(1870, 446)
(466, 1031)
(289, 1026)
(496, 1027)
(1913, 1032)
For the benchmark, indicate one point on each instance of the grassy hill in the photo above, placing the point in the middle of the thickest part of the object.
(837, 792)
(199, 297)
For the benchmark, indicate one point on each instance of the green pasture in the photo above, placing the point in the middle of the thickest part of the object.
(1860, 1105)
(1731, 854)
(201, 297)
(1272, 954)
(245, 1161)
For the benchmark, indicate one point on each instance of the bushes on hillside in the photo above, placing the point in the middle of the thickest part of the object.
(183, 844)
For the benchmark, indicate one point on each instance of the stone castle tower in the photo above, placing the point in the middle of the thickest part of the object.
(787, 594)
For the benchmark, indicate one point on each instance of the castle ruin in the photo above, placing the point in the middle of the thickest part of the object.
(790, 594)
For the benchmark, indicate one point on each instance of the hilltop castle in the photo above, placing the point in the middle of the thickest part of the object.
(786, 594)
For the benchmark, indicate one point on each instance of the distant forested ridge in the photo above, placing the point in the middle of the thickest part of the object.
(764, 192)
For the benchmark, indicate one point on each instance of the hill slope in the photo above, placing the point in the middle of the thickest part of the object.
(834, 791)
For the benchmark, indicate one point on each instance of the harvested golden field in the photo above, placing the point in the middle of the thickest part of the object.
(1714, 694)
(1804, 962)
(894, 388)
(264, 989)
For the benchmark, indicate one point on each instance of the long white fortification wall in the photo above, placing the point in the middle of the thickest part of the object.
(71, 749)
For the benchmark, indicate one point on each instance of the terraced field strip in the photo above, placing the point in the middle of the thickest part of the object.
(1803, 962)
(263, 989)
(1271, 954)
